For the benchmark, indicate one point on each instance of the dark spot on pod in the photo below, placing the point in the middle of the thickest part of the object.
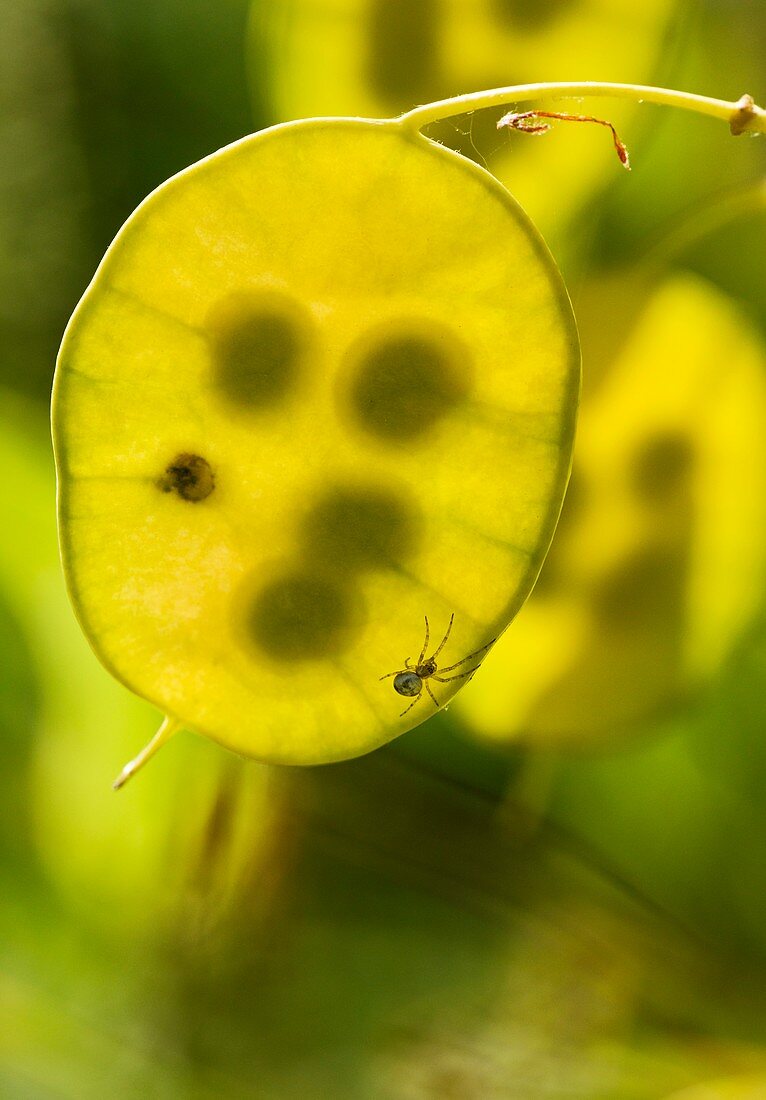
(258, 342)
(301, 616)
(405, 382)
(530, 15)
(398, 32)
(646, 591)
(188, 475)
(662, 466)
(357, 528)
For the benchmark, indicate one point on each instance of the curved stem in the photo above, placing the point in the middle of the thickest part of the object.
(744, 116)
(163, 734)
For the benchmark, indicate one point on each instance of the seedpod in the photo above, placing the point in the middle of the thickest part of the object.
(639, 606)
(322, 387)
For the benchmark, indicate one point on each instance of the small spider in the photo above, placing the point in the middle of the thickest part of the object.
(413, 678)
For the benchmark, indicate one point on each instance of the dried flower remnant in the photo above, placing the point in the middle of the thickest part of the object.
(527, 123)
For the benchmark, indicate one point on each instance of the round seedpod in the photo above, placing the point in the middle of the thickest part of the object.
(321, 389)
(659, 564)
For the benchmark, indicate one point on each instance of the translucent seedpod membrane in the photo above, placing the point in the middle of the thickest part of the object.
(322, 387)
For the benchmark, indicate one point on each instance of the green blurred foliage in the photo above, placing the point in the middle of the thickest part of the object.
(448, 918)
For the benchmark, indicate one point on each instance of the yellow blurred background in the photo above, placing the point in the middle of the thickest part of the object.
(554, 889)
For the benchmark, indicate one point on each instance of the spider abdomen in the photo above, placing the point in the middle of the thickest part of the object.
(408, 683)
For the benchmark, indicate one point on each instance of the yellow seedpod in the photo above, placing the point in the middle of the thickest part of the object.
(659, 563)
(322, 388)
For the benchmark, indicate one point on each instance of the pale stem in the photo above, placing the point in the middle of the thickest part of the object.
(744, 116)
(163, 734)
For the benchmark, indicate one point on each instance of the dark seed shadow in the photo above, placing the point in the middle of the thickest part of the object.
(360, 528)
(529, 15)
(398, 31)
(258, 344)
(405, 379)
(301, 616)
(662, 467)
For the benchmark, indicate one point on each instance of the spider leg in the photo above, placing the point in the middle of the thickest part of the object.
(443, 642)
(434, 700)
(389, 674)
(459, 676)
(412, 704)
(425, 643)
(475, 653)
